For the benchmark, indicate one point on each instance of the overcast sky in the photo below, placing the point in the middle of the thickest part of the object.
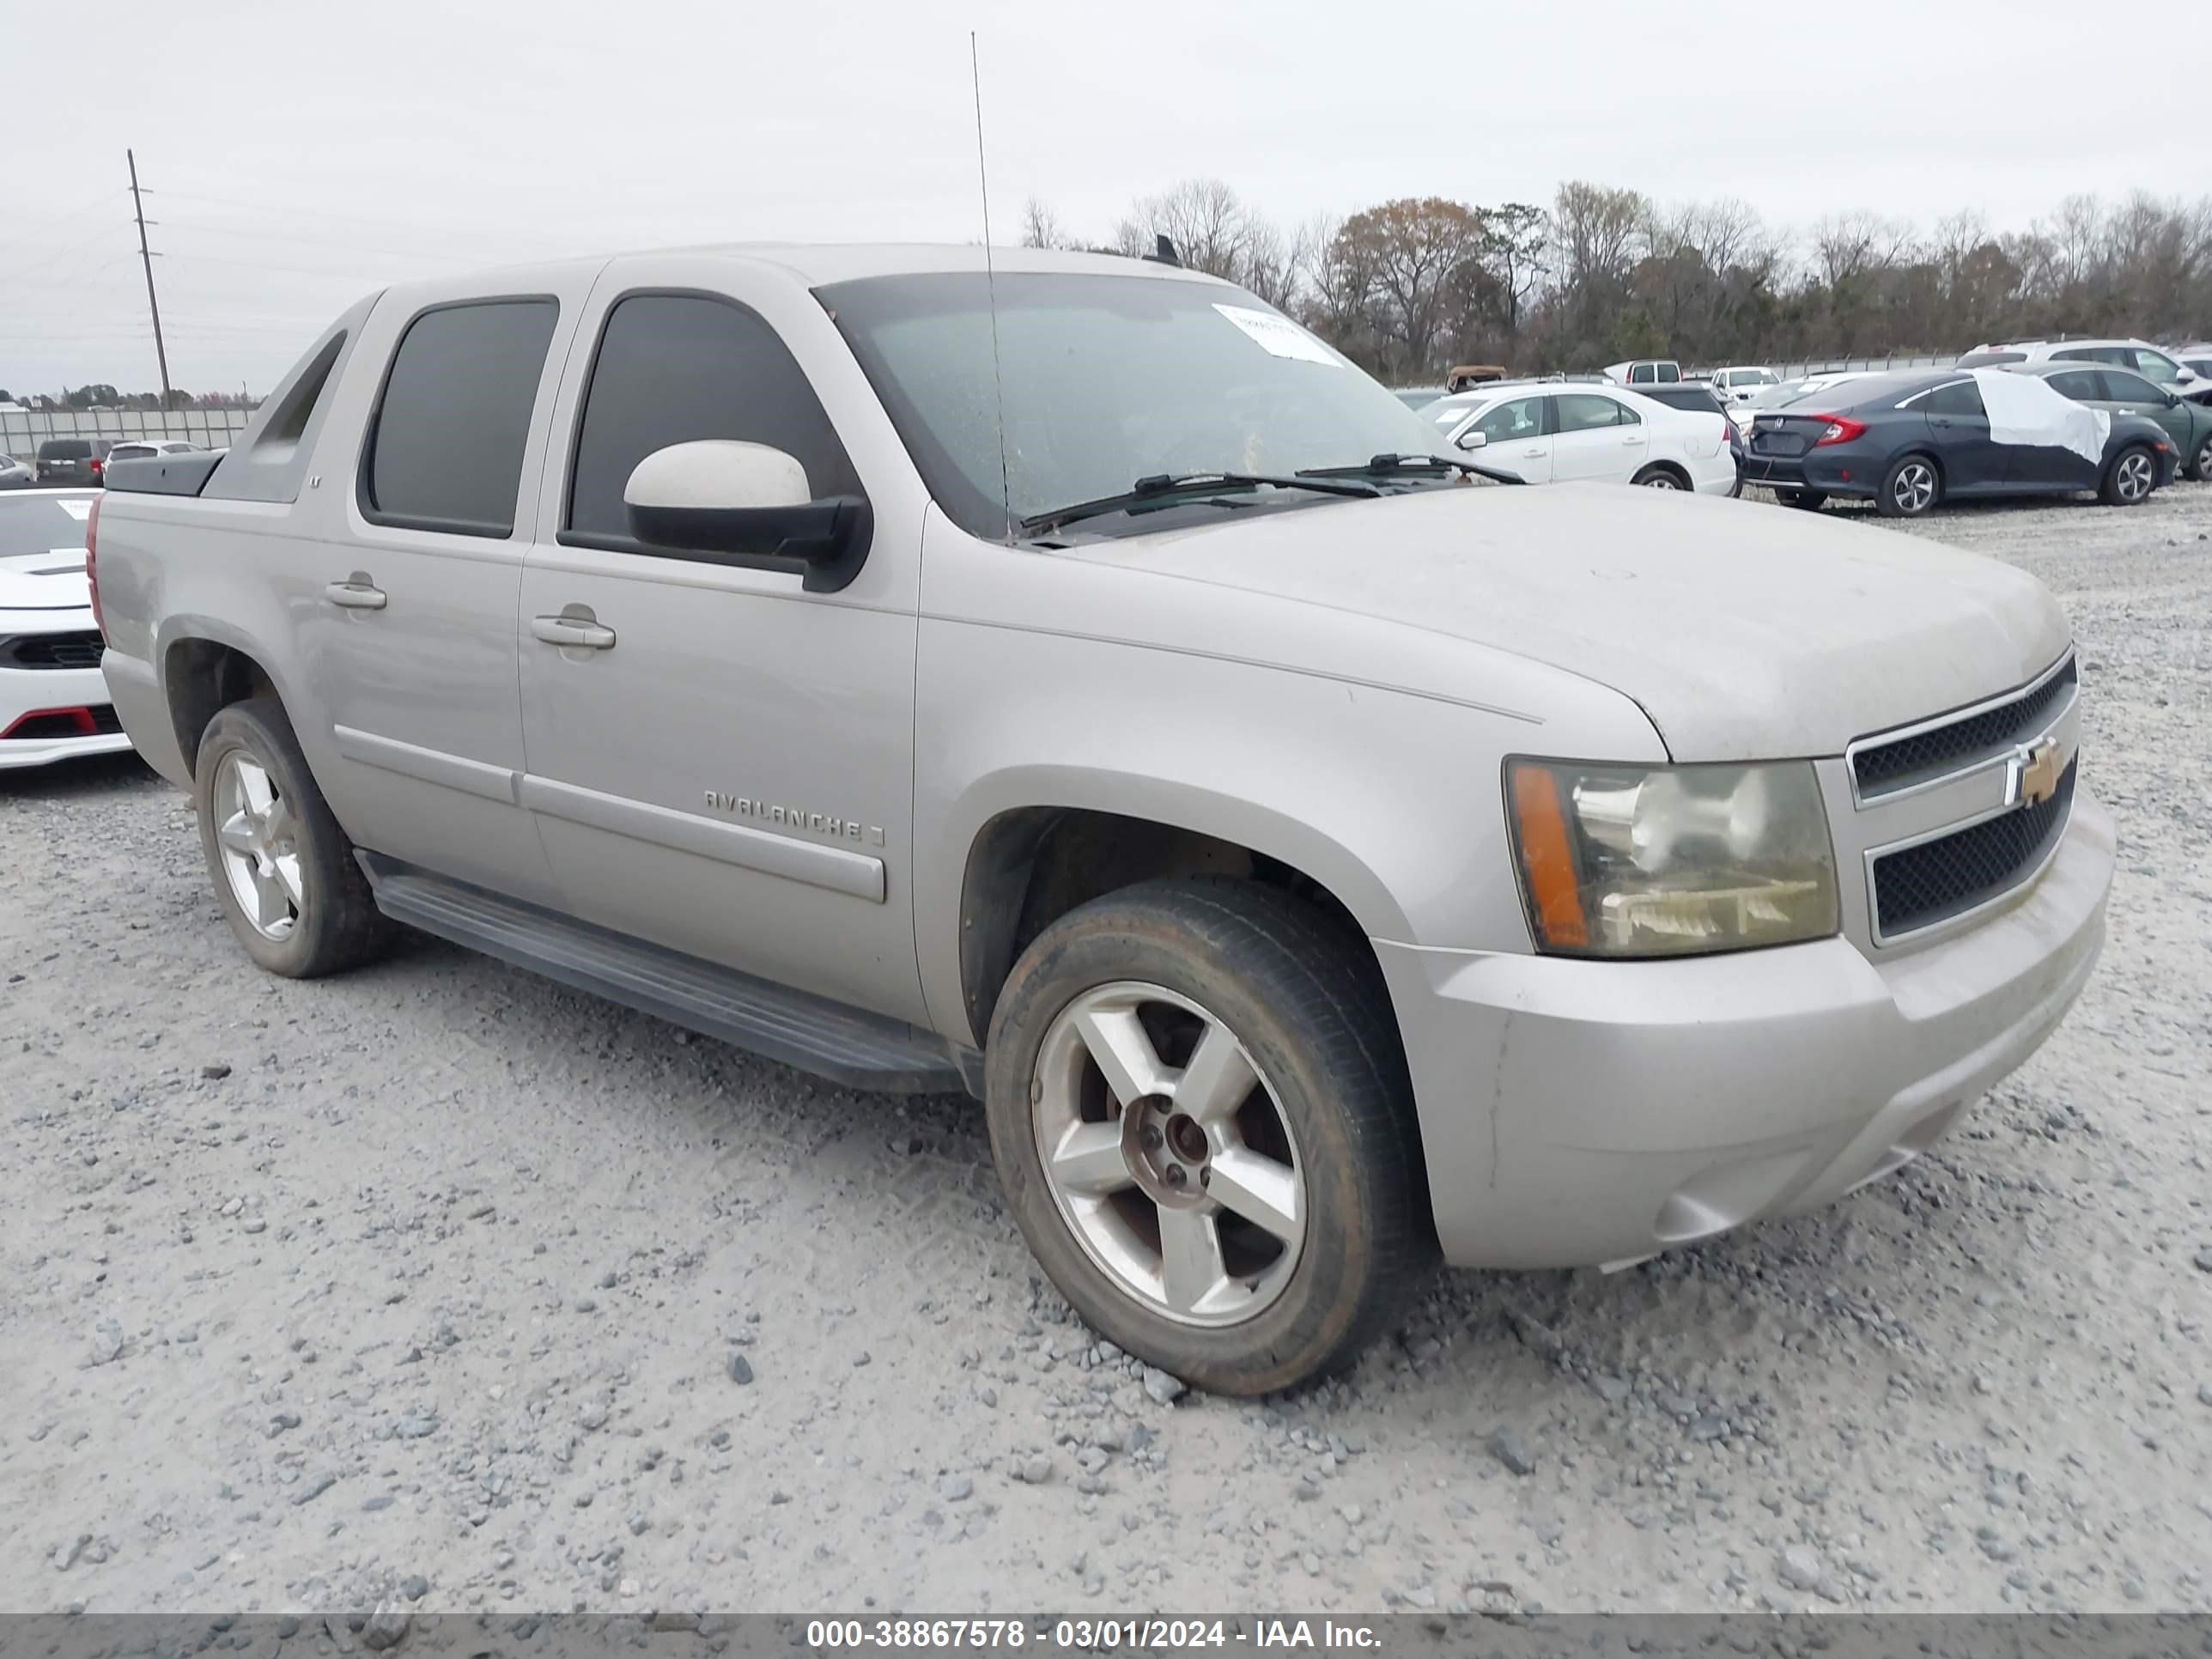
(300, 153)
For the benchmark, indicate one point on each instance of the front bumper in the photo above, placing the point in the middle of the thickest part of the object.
(1575, 1113)
(27, 694)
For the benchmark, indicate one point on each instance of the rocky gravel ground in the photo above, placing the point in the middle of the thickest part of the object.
(443, 1287)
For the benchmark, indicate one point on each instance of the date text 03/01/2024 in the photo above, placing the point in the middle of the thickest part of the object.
(1089, 1635)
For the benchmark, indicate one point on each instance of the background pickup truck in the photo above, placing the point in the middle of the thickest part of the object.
(1316, 860)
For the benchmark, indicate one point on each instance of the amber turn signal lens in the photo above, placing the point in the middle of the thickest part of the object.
(1547, 861)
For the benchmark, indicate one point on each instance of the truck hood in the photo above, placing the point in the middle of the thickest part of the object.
(45, 581)
(1745, 632)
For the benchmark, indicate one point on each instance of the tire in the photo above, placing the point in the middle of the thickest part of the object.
(2200, 464)
(1658, 476)
(2130, 479)
(1912, 487)
(312, 915)
(1297, 1001)
(1811, 500)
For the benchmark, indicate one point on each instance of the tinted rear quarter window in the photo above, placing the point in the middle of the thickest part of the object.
(445, 449)
(1962, 397)
(676, 367)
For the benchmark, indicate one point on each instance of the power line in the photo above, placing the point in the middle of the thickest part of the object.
(343, 244)
(290, 211)
(6, 276)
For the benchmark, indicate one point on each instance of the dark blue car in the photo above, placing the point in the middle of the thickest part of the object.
(1909, 442)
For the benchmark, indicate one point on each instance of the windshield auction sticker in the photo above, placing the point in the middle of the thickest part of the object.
(1280, 336)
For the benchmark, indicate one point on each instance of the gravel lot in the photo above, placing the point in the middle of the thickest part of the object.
(445, 1287)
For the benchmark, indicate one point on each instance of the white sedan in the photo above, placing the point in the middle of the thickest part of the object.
(1569, 432)
(54, 701)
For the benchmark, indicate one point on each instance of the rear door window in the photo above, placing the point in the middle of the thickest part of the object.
(2084, 385)
(445, 446)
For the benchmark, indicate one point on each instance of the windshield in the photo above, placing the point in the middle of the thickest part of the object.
(41, 524)
(1107, 380)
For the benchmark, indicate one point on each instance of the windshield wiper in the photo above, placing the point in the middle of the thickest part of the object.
(1388, 467)
(1163, 488)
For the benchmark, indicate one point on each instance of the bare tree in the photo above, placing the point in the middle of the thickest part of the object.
(1206, 218)
(1040, 227)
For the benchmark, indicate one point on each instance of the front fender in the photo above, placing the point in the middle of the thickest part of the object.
(1389, 799)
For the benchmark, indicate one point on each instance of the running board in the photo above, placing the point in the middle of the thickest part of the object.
(846, 1046)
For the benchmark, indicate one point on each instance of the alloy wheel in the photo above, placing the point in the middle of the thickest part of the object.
(258, 843)
(1661, 481)
(1168, 1155)
(1915, 488)
(2135, 476)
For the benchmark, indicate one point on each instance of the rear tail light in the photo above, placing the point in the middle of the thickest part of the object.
(98, 466)
(92, 565)
(1841, 429)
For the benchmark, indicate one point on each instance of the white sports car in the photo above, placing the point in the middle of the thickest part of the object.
(54, 701)
(1561, 431)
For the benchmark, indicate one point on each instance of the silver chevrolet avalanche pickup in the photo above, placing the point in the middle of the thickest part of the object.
(1078, 684)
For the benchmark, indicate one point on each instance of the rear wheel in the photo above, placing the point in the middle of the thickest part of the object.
(2130, 478)
(1812, 501)
(1657, 476)
(283, 871)
(1200, 1114)
(1912, 487)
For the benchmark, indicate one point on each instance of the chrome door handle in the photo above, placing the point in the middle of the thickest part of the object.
(568, 631)
(356, 592)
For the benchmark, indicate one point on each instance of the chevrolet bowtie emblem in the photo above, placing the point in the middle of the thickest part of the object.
(2037, 770)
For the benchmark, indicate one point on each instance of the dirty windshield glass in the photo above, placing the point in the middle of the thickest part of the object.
(1108, 379)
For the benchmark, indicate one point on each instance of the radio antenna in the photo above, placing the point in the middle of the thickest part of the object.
(991, 286)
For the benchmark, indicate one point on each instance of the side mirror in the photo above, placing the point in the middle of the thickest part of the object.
(1473, 439)
(746, 502)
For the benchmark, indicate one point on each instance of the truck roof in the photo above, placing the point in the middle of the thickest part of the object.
(818, 264)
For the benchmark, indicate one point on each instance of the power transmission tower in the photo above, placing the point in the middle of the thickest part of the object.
(161, 351)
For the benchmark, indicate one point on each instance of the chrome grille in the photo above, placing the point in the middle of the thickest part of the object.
(1918, 886)
(1884, 767)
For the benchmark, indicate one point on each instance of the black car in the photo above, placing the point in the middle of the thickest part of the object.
(73, 461)
(1698, 396)
(1911, 441)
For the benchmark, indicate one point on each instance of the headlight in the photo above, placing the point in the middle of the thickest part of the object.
(1670, 861)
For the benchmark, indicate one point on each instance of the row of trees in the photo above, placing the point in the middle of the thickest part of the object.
(1407, 287)
(100, 395)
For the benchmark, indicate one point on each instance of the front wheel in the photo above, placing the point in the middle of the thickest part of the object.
(1201, 1117)
(2130, 478)
(2200, 464)
(1912, 487)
